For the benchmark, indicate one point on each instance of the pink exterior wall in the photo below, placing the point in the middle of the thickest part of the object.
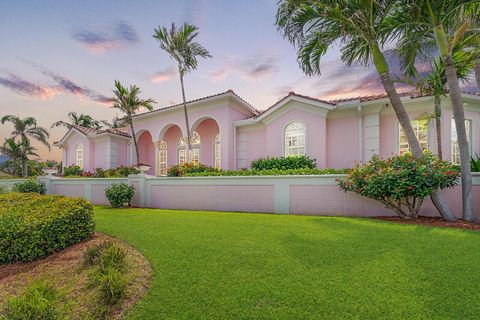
(316, 132)
(70, 190)
(98, 194)
(388, 141)
(146, 150)
(100, 154)
(207, 130)
(122, 150)
(342, 142)
(171, 137)
(254, 145)
(219, 197)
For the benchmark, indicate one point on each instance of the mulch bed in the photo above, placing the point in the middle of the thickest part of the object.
(435, 222)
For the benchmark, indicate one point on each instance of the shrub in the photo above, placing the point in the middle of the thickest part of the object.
(283, 163)
(4, 189)
(118, 194)
(186, 169)
(401, 182)
(271, 172)
(92, 254)
(119, 172)
(33, 226)
(39, 301)
(28, 186)
(112, 257)
(111, 284)
(72, 170)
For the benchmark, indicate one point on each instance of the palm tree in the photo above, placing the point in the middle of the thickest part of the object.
(83, 120)
(116, 123)
(444, 24)
(127, 101)
(18, 151)
(361, 28)
(24, 129)
(181, 46)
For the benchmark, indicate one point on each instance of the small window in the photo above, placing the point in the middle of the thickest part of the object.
(194, 154)
(79, 155)
(455, 148)
(420, 127)
(295, 139)
(162, 159)
(217, 151)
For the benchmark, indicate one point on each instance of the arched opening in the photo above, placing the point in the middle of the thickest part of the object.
(209, 147)
(146, 151)
(171, 136)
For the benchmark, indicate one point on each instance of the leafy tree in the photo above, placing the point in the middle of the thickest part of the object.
(18, 152)
(422, 25)
(181, 46)
(26, 129)
(83, 120)
(127, 101)
(116, 123)
(361, 28)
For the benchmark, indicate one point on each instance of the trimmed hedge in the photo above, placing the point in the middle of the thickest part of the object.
(33, 226)
(284, 163)
(272, 172)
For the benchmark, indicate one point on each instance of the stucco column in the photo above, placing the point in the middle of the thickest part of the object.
(156, 145)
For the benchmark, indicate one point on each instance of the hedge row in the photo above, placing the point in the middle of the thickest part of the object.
(272, 172)
(33, 225)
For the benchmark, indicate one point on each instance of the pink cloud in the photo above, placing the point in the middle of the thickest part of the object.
(163, 75)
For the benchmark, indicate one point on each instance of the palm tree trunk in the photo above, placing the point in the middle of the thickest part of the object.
(402, 116)
(25, 168)
(438, 124)
(459, 116)
(477, 76)
(187, 152)
(129, 119)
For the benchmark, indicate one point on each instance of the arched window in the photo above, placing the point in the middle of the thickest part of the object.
(79, 155)
(295, 139)
(194, 151)
(217, 151)
(162, 159)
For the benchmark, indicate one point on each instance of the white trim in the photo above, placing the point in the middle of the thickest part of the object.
(305, 137)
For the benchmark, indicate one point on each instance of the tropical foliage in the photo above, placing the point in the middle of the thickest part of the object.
(83, 120)
(401, 182)
(180, 45)
(283, 163)
(75, 171)
(127, 100)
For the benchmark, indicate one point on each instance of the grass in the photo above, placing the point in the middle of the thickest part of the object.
(211, 265)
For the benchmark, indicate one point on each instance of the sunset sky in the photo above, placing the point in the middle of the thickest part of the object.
(61, 56)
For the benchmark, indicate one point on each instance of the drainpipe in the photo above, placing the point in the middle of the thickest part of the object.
(360, 132)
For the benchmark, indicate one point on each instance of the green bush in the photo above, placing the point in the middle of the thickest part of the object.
(112, 257)
(38, 302)
(33, 226)
(72, 170)
(283, 163)
(92, 254)
(30, 185)
(187, 169)
(475, 163)
(119, 172)
(119, 194)
(4, 189)
(401, 182)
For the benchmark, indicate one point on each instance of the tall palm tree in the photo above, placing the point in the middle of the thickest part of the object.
(127, 101)
(83, 120)
(27, 128)
(435, 84)
(361, 28)
(18, 151)
(181, 46)
(444, 24)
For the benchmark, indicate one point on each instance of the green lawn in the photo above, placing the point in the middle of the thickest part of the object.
(211, 265)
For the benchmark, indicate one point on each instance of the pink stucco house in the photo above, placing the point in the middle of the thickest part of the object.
(229, 133)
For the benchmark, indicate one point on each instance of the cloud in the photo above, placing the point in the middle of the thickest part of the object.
(163, 75)
(119, 36)
(27, 88)
(258, 66)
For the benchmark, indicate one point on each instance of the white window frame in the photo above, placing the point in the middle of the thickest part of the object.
(404, 147)
(287, 149)
(194, 154)
(162, 158)
(217, 151)
(79, 155)
(454, 150)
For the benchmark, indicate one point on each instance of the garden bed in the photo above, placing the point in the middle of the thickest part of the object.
(65, 272)
(435, 222)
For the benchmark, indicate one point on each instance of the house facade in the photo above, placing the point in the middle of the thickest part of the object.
(229, 133)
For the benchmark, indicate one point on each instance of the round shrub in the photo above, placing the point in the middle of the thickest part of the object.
(119, 194)
(401, 182)
(33, 226)
(28, 186)
(72, 170)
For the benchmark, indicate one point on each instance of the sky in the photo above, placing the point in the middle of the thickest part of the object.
(63, 56)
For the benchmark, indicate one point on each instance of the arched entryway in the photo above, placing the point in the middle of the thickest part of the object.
(146, 150)
(210, 138)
